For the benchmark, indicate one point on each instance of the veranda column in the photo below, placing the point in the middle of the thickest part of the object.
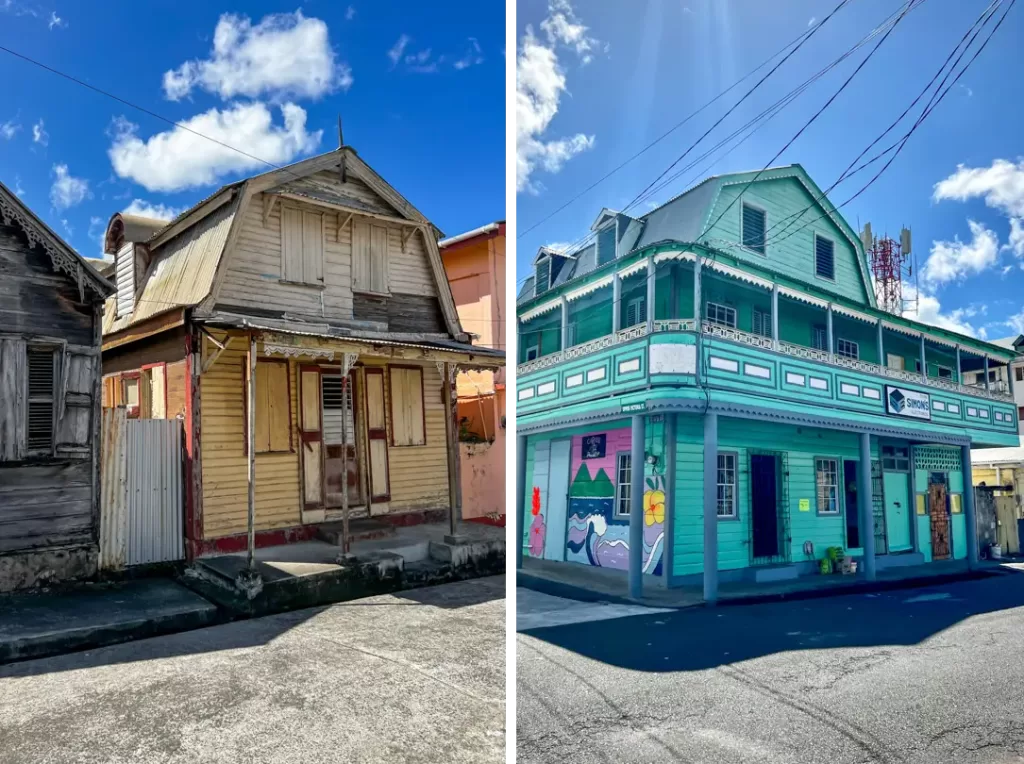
(651, 273)
(828, 334)
(881, 346)
(697, 318)
(969, 515)
(775, 316)
(565, 323)
(986, 372)
(710, 507)
(959, 371)
(924, 360)
(616, 303)
(251, 448)
(520, 496)
(451, 436)
(670, 495)
(636, 507)
(867, 515)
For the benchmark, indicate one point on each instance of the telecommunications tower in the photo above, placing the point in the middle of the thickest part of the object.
(891, 265)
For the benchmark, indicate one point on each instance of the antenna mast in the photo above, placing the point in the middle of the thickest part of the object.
(890, 265)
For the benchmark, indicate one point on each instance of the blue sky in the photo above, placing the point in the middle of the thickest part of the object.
(599, 83)
(420, 90)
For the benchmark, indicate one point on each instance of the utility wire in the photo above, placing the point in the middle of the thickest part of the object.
(790, 220)
(913, 4)
(666, 134)
(933, 104)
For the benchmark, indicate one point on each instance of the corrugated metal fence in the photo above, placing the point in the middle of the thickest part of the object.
(141, 517)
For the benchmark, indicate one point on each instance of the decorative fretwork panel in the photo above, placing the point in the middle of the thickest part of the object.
(937, 459)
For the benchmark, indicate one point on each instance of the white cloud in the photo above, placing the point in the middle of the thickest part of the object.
(285, 55)
(929, 311)
(559, 246)
(562, 26)
(472, 57)
(540, 82)
(178, 159)
(68, 229)
(1001, 185)
(56, 21)
(39, 135)
(811, 20)
(9, 129)
(1016, 241)
(953, 260)
(67, 190)
(17, 186)
(350, 13)
(148, 210)
(396, 50)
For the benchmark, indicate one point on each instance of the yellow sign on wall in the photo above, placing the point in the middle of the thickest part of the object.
(920, 504)
(805, 505)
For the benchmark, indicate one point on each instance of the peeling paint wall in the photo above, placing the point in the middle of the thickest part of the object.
(25, 570)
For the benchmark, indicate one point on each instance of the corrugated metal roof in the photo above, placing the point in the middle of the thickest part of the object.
(181, 272)
(1010, 455)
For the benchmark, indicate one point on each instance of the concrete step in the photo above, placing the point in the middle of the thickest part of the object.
(362, 529)
(411, 550)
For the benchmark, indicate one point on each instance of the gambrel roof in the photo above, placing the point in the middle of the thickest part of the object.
(63, 257)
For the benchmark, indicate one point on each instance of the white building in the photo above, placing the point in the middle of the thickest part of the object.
(997, 377)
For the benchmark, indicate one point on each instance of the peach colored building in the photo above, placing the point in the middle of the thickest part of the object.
(475, 264)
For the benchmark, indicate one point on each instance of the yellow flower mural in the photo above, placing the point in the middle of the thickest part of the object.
(654, 507)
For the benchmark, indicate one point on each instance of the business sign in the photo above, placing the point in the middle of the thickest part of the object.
(908, 403)
(594, 446)
(633, 408)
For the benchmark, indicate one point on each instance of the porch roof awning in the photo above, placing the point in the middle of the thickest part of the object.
(483, 356)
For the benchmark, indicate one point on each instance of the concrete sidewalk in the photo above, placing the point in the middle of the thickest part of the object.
(39, 624)
(592, 584)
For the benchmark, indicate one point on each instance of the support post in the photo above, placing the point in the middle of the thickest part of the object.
(710, 507)
(453, 452)
(775, 316)
(652, 271)
(673, 300)
(959, 371)
(881, 346)
(867, 515)
(670, 495)
(565, 323)
(924, 360)
(970, 519)
(697, 319)
(986, 373)
(251, 450)
(520, 497)
(828, 334)
(636, 507)
(616, 303)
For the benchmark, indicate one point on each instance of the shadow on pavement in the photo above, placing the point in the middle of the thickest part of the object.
(476, 592)
(704, 638)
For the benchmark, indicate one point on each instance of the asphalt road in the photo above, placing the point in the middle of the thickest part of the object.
(921, 675)
(418, 677)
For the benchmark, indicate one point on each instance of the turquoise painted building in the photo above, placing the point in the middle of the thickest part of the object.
(710, 391)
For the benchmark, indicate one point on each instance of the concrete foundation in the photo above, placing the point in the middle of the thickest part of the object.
(45, 567)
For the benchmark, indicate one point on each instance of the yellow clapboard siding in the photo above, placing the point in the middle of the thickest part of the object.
(225, 465)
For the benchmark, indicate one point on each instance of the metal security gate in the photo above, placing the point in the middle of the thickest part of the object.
(141, 513)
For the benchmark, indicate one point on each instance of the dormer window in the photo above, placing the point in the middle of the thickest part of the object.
(606, 244)
(125, 276)
(542, 282)
(753, 225)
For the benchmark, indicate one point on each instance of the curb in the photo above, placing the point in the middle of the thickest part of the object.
(581, 594)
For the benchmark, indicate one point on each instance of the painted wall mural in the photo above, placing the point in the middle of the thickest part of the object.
(596, 536)
(536, 544)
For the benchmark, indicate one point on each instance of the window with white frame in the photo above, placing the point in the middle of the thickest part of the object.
(726, 506)
(623, 476)
(1018, 373)
(636, 311)
(542, 278)
(847, 348)
(827, 472)
(762, 323)
(754, 223)
(532, 352)
(722, 315)
(820, 338)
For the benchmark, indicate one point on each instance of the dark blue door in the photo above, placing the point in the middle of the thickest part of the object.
(764, 514)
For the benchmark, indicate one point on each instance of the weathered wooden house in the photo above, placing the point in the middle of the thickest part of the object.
(322, 285)
(51, 307)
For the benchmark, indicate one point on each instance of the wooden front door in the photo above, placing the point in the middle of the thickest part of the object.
(937, 509)
(377, 436)
(341, 454)
(311, 439)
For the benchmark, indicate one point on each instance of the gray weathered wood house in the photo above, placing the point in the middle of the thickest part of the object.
(51, 314)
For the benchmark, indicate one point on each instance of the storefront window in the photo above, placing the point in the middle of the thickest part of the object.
(827, 471)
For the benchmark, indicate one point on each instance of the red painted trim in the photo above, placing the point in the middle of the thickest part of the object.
(498, 520)
(311, 436)
(391, 404)
(239, 542)
(193, 511)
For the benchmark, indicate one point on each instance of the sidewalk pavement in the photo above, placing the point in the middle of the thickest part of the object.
(37, 624)
(592, 584)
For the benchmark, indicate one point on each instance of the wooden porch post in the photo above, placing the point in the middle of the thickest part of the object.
(775, 316)
(616, 303)
(881, 346)
(828, 334)
(986, 369)
(924, 360)
(451, 433)
(251, 449)
(652, 273)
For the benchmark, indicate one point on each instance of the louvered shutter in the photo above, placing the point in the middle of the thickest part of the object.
(753, 228)
(291, 244)
(824, 257)
(378, 259)
(312, 248)
(636, 312)
(12, 399)
(75, 403)
(541, 283)
(39, 426)
(762, 323)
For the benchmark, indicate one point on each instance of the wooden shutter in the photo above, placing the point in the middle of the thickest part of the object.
(312, 248)
(291, 244)
(540, 282)
(378, 259)
(12, 399)
(753, 228)
(74, 435)
(360, 255)
(824, 257)
(273, 419)
(407, 425)
(125, 274)
(636, 312)
(39, 426)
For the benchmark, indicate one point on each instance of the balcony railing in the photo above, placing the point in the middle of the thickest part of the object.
(758, 341)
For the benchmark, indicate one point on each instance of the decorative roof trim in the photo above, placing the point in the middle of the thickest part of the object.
(675, 254)
(62, 256)
(590, 288)
(854, 314)
(902, 329)
(793, 294)
(540, 310)
(736, 273)
(636, 267)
